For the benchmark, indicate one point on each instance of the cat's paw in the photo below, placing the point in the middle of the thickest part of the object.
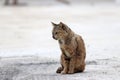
(63, 72)
(70, 72)
(59, 70)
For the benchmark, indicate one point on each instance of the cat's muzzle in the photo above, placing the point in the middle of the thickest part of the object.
(54, 37)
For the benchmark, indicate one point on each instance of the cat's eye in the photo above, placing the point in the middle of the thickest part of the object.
(56, 32)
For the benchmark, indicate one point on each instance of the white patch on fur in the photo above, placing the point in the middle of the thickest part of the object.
(67, 53)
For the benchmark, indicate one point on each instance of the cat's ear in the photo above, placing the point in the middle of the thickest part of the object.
(63, 26)
(54, 24)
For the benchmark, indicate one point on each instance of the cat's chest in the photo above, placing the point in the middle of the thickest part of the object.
(67, 54)
(65, 48)
(62, 44)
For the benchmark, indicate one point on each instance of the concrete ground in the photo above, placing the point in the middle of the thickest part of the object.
(30, 68)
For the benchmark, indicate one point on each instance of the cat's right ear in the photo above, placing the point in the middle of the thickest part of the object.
(54, 24)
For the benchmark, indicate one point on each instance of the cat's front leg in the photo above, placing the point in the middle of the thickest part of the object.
(65, 64)
(72, 65)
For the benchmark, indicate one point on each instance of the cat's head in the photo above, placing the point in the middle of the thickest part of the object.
(60, 31)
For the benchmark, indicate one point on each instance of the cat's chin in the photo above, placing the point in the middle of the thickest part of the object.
(55, 39)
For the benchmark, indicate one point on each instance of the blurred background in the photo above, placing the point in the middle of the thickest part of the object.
(55, 2)
(25, 26)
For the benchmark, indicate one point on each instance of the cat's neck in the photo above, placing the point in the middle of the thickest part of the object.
(61, 41)
(67, 39)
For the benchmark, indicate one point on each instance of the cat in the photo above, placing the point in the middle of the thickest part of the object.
(72, 47)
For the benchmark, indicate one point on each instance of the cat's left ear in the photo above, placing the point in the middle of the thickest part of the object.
(54, 24)
(62, 25)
